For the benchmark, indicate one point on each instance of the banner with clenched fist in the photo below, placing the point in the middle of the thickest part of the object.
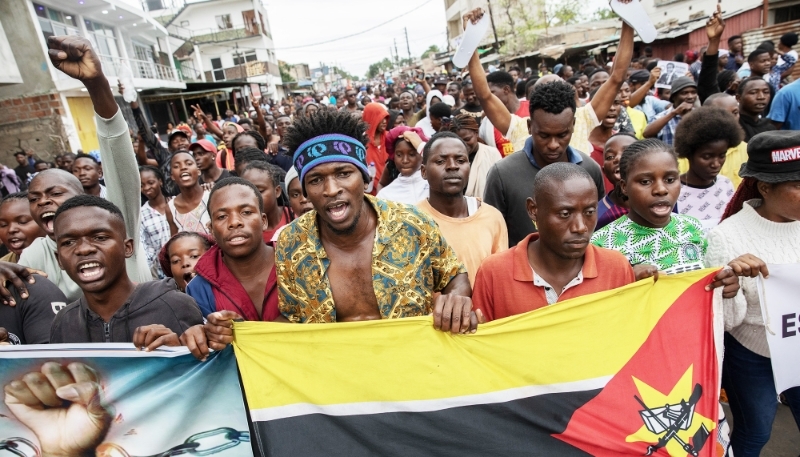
(113, 401)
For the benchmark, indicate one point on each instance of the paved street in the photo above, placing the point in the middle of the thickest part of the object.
(785, 440)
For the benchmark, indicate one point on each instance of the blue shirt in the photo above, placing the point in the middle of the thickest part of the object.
(667, 134)
(572, 155)
(651, 106)
(786, 107)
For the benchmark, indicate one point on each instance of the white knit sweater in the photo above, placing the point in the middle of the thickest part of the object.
(746, 232)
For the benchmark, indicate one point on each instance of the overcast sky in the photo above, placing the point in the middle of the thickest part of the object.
(301, 22)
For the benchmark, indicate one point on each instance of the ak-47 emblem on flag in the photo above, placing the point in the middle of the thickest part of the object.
(667, 422)
(597, 375)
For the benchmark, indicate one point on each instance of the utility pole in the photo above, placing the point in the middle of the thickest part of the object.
(494, 30)
(396, 54)
(408, 48)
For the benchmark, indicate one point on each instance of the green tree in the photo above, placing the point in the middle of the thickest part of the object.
(379, 67)
(286, 73)
(604, 13)
(432, 49)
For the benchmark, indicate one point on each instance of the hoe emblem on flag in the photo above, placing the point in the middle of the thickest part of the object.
(674, 422)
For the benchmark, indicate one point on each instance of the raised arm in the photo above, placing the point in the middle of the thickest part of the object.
(604, 98)
(707, 82)
(260, 120)
(211, 126)
(638, 96)
(75, 57)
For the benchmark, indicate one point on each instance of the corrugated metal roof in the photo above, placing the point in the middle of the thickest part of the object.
(773, 33)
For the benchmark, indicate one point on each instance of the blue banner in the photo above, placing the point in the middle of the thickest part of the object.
(111, 400)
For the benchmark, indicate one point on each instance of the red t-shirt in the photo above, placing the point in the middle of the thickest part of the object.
(597, 155)
(500, 291)
(285, 219)
(503, 145)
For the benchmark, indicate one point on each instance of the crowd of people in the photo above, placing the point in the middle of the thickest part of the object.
(469, 197)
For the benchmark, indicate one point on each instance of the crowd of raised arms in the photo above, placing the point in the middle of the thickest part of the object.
(469, 197)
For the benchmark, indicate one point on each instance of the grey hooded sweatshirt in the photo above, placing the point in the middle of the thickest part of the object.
(154, 302)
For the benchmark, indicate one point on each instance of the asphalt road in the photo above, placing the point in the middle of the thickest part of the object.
(785, 438)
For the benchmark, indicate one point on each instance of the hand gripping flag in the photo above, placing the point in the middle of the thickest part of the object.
(626, 372)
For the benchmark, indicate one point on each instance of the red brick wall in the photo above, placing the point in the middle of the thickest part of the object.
(32, 123)
(25, 108)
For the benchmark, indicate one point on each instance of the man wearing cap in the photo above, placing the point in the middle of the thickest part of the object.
(440, 84)
(683, 96)
(640, 82)
(355, 257)
(205, 154)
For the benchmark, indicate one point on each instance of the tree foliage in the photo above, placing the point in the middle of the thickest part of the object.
(523, 27)
(432, 49)
(379, 67)
(604, 13)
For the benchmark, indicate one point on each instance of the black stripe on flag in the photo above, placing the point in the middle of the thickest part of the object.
(521, 427)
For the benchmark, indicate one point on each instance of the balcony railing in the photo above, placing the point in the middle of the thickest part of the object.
(140, 68)
(244, 71)
(209, 35)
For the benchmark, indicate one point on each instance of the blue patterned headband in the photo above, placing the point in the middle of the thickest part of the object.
(329, 148)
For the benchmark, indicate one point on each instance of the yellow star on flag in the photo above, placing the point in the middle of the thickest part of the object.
(655, 399)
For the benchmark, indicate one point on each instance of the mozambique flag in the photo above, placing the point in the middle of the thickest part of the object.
(631, 371)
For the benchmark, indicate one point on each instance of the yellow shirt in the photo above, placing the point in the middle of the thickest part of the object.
(737, 155)
(585, 121)
(638, 120)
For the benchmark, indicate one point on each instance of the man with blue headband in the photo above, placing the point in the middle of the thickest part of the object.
(355, 257)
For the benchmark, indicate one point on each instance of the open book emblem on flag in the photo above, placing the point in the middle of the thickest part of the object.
(666, 421)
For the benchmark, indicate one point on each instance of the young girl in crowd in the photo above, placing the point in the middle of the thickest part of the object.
(179, 256)
(762, 220)
(703, 139)
(377, 118)
(650, 235)
(613, 205)
(267, 178)
(17, 227)
(154, 228)
(188, 211)
(297, 201)
(410, 187)
(600, 134)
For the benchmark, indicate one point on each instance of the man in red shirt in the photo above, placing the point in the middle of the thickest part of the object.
(558, 262)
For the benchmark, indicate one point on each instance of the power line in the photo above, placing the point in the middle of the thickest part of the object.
(357, 33)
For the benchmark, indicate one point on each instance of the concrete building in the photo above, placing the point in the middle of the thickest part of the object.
(43, 110)
(221, 40)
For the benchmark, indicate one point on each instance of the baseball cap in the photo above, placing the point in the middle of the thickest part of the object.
(177, 132)
(639, 76)
(773, 157)
(440, 80)
(205, 145)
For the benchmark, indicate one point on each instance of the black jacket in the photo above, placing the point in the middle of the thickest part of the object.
(154, 302)
(29, 322)
(753, 127)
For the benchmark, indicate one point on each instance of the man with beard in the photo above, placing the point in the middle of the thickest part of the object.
(355, 257)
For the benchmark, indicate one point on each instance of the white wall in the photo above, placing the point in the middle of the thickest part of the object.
(683, 9)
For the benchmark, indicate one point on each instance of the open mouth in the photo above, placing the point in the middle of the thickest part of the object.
(47, 219)
(16, 244)
(237, 240)
(661, 208)
(188, 276)
(89, 271)
(185, 176)
(337, 211)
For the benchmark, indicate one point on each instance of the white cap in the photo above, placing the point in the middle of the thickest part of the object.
(290, 175)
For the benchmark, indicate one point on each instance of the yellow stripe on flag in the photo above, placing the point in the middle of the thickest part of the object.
(406, 359)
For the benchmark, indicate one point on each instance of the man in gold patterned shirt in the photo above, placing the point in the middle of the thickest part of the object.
(356, 257)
